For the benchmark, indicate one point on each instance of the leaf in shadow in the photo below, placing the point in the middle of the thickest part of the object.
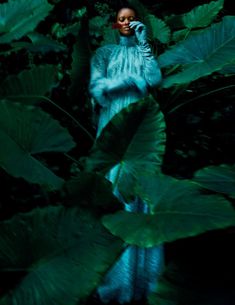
(64, 252)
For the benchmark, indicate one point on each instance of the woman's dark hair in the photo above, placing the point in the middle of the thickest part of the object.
(125, 5)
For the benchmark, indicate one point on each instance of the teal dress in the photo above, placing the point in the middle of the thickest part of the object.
(126, 70)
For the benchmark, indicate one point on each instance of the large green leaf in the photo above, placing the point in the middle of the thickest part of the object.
(19, 17)
(228, 69)
(201, 54)
(202, 15)
(220, 178)
(63, 252)
(29, 85)
(25, 131)
(92, 191)
(39, 43)
(160, 29)
(178, 210)
(132, 143)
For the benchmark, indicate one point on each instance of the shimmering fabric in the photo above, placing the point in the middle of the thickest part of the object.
(116, 66)
(120, 75)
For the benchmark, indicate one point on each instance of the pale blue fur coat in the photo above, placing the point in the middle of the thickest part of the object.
(127, 71)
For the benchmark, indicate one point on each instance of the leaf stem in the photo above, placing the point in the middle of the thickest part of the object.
(57, 106)
(200, 96)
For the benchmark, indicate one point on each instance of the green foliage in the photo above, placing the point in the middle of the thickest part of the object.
(178, 210)
(93, 192)
(63, 253)
(220, 179)
(29, 86)
(80, 65)
(132, 143)
(203, 15)
(160, 29)
(21, 17)
(43, 44)
(25, 132)
(217, 45)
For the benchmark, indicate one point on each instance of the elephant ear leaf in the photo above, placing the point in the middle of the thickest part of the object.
(160, 30)
(132, 143)
(219, 179)
(203, 15)
(29, 86)
(21, 17)
(24, 132)
(216, 50)
(178, 209)
(64, 254)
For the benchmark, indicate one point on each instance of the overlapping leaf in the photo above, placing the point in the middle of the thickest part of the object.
(29, 85)
(132, 143)
(19, 17)
(203, 15)
(178, 210)
(159, 28)
(25, 131)
(64, 253)
(220, 179)
(201, 54)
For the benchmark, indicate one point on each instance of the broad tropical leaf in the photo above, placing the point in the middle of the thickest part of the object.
(39, 44)
(179, 35)
(132, 143)
(64, 253)
(29, 85)
(228, 69)
(220, 179)
(160, 29)
(92, 191)
(19, 17)
(178, 210)
(201, 54)
(24, 132)
(202, 15)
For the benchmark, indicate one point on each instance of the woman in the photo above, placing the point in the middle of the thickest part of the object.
(120, 75)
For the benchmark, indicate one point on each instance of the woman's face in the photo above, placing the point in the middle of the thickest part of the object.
(124, 17)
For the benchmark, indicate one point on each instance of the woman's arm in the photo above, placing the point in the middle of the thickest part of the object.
(152, 72)
(100, 86)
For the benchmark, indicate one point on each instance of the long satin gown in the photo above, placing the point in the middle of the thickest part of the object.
(136, 273)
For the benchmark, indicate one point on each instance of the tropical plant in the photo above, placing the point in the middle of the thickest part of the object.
(58, 251)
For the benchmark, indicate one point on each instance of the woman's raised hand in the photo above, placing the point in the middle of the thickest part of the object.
(140, 31)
